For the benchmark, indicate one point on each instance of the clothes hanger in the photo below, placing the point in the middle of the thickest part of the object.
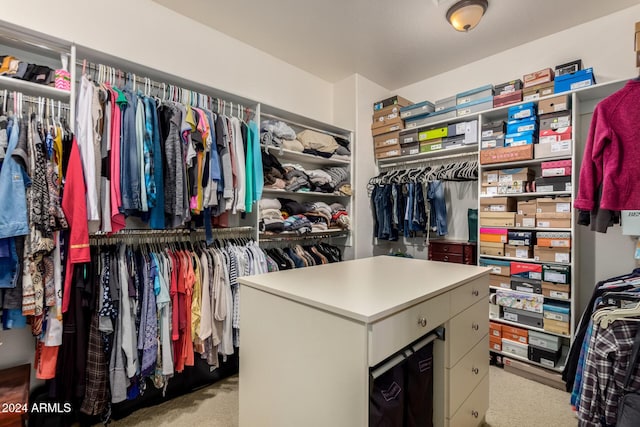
(607, 315)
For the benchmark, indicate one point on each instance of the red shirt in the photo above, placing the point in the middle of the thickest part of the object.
(74, 206)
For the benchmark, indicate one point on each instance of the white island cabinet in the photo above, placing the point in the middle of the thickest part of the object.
(310, 337)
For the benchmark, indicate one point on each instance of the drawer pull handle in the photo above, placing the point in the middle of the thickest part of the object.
(446, 258)
(475, 326)
(422, 322)
(475, 292)
(475, 370)
(446, 248)
(475, 414)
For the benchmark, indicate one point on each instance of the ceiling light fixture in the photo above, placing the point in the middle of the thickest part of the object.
(466, 14)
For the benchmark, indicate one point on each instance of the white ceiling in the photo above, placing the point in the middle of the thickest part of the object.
(394, 43)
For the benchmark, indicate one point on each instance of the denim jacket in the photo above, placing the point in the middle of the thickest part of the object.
(13, 184)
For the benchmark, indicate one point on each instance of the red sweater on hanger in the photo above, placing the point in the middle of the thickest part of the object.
(612, 153)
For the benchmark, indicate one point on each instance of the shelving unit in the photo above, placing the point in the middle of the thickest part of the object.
(512, 258)
(532, 195)
(299, 123)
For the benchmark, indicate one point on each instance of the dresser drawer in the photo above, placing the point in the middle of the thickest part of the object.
(395, 332)
(467, 295)
(446, 257)
(473, 410)
(467, 374)
(465, 330)
(445, 247)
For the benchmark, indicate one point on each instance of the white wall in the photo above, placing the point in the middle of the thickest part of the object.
(606, 44)
(151, 35)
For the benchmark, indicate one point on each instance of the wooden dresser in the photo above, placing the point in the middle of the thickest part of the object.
(311, 336)
(455, 251)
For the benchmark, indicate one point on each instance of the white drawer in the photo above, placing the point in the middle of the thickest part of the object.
(465, 330)
(466, 375)
(395, 332)
(469, 294)
(473, 410)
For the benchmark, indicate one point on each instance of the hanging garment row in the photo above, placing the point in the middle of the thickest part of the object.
(411, 202)
(600, 354)
(144, 312)
(34, 214)
(166, 160)
(301, 255)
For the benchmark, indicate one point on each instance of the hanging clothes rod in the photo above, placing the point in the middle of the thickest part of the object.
(438, 333)
(311, 236)
(114, 74)
(427, 161)
(172, 235)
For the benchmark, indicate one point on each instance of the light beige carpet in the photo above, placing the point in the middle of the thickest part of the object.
(515, 402)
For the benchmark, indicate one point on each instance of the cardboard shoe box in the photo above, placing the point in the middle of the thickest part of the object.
(439, 132)
(513, 251)
(498, 281)
(538, 91)
(498, 204)
(497, 142)
(556, 311)
(515, 348)
(521, 238)
(429, 146)
(497, 219)
(479, 93)
(495, 329)
(490, 177)
(538, 77)
(523, 317)
(507, 99)
(550, 136)
(386, 140)
(515, 334)
(545, 341)
(475, 106)
(553, 149)
(491, 249)
(544, 254)
(498, 267)
(554, 183)
(388, 151)
(493, 235)
(556, 291)
(573, 81)
(557, 168)
(553, 205)
(408, 137)
(522, 111)
(544, 357)
(554, 104)
(557, 274)
(415, 110)
(387, 128)
(553, 220)
(520, 138)
(528, 207)
(388, 120)
(555, 121)
(525, 221)
(393, 100)
(391, 109)
(445, 104)
(554, 239)
(515, 174)
(506, 154)
(495, 343)
(526, 285)
(556, 327)
(526, 270)
(507, 87)
(489, 130)
(531, 303)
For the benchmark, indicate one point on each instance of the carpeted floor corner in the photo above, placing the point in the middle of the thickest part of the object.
(515, 402)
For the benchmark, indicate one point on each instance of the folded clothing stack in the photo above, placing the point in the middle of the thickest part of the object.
(319, 213)
(278, 134)
(11, 66)
(270, 216)
(340, 216)
(298, 223)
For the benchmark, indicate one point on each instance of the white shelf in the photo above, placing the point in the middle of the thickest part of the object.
(34, 89)
(510, 258)
(314, 194)
(296, 156)
(292, 235)
(536, 194)
(494, 166)
(497, 288)
(444, 153)
(531, 328)
(524, 359)
(529, 228)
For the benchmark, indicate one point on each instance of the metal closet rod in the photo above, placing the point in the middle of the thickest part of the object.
(118, 74)
(172, 235)
(427, 161)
